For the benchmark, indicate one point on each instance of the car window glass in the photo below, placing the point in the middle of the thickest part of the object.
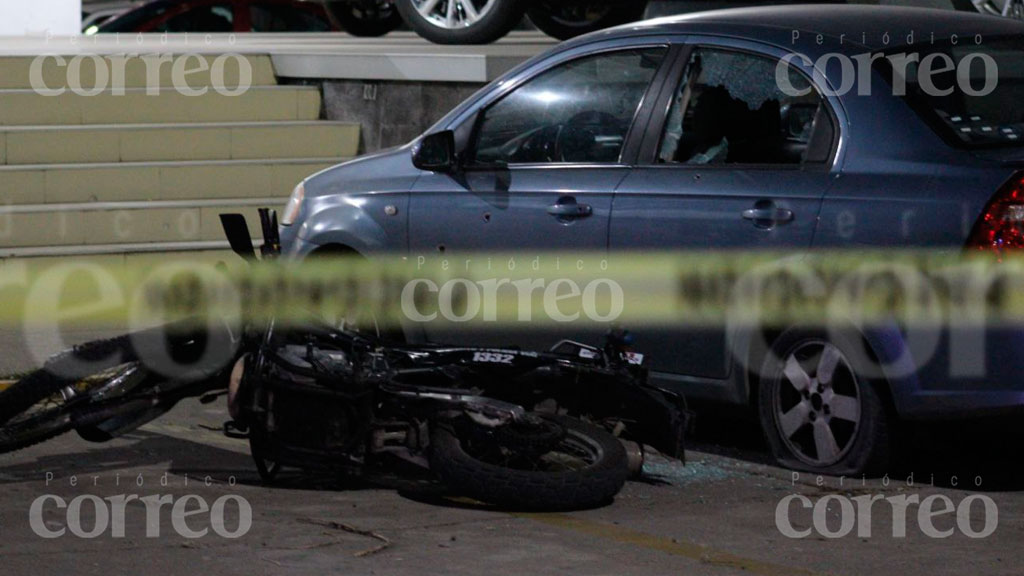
(267, 17)
(961, 105)
(210, 18)
(580, 111)
(730, 108)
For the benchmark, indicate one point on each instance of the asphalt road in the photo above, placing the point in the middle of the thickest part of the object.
(716, 514)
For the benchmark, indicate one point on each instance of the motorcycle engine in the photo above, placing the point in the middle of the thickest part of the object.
(315, 402)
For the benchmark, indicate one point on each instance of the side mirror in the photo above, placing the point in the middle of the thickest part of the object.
(436, 152)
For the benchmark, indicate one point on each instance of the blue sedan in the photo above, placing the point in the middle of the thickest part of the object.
(790, 128)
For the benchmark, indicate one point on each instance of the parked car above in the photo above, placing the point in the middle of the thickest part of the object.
(440, 21)
(484, 21)
(96, 13)
(213, 16)
(702, 133)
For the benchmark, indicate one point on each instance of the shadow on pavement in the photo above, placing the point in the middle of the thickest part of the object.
(951, 454)
(145, 449)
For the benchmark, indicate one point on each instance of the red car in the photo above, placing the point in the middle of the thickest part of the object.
(223, 16)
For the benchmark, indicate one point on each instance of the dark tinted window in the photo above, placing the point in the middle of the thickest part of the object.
(955, 97)
(277, 17)
(210, 18)
(580, 111)
(730, 109)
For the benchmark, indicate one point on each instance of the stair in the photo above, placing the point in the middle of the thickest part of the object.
(143, 167)
(169, 142)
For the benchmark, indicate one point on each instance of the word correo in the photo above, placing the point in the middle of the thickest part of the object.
(110, 73)
(109, 515)
(856, 512)
(563, 299)
(922, 71)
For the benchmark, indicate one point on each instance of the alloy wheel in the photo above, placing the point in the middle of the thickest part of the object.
(817, 404)
(453, 14)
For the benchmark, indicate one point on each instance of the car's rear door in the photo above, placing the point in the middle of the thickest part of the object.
(541, 167)
(738, 158)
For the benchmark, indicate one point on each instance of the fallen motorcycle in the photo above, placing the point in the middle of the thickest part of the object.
(509, 427)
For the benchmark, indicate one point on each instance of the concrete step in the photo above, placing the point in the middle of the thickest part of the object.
(140, 261)
(258, 104)
(155, 142)
(125, 228)
(154, 70)
(33, 187)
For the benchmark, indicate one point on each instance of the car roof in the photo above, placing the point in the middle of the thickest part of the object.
(845, 28)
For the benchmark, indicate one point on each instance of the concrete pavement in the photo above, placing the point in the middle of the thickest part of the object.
(714, 515)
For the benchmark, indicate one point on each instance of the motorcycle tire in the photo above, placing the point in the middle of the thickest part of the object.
(267, 469)
(594, 484)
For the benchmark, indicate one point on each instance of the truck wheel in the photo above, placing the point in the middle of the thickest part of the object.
(819, 411)
(462, 21)
(571, 18)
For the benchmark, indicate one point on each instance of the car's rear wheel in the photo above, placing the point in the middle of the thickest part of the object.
(462, 21)
(820, 411)
(572, 18)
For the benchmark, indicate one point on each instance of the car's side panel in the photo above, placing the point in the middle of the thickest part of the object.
(356, 206)
(691, 207)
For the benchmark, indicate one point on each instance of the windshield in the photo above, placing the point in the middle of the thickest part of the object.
(971, 93)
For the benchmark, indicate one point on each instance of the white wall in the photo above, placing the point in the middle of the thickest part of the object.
(40, 17)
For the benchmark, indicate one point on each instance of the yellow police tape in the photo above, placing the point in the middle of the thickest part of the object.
(700, 288)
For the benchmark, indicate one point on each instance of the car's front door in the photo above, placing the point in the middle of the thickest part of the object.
(740, 160)
(540, 170)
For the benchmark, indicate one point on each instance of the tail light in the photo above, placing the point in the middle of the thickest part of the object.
(1001, 226)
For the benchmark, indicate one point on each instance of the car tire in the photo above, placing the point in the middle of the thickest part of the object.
(496, 19)
(565, 20)
(366, 20)
(819, 410)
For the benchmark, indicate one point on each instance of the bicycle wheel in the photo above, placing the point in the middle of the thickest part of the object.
(52, 412)
(63, 371)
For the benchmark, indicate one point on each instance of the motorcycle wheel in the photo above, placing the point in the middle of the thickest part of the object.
(585, 468)
(571, 18)
(369, 19)
(267, 469)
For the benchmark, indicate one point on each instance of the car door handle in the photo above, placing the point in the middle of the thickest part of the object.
(768, 216)
(570, 209)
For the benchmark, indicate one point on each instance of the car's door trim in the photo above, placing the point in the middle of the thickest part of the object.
(637, 134)
(660, 109)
